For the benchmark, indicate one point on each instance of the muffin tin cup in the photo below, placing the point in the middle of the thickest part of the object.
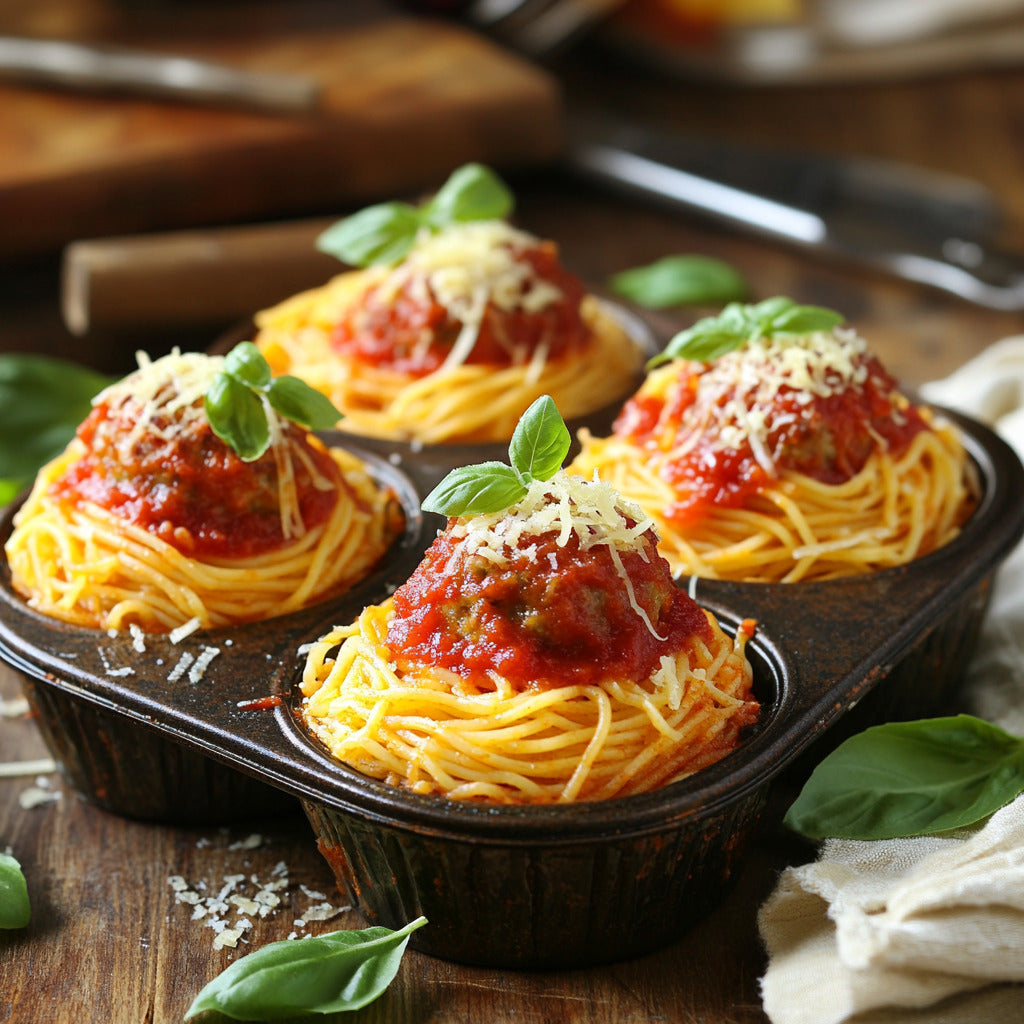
(94, 734)
(542, 886)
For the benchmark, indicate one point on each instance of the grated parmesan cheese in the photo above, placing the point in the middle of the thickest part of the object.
(241, 902)
(14, 769)
(165, 400)
(591, 509)
(185, 629)
(14, 708)
(464, 268)
(202, 662)
(138, 638)
(738, 393)
(565, 505)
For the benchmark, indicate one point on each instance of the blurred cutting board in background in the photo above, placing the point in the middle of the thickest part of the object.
(404, 101)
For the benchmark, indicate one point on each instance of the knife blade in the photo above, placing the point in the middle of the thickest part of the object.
(934, 229)
(93, 67)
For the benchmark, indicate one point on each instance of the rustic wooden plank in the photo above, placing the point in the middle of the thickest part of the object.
(404, 101)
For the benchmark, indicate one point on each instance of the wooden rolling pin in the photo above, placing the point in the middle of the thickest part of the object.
(189, 278)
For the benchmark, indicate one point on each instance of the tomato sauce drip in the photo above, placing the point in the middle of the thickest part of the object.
(550, 616)
(404, 334)
(193, 491)
(828, 438)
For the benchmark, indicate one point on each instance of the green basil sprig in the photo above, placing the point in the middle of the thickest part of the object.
(680, 280)
(539, 444)
(330, 973)
(384, 233)
(738, 325)
(42, 402)
(15, 910)
(235, 409)
(910, 779)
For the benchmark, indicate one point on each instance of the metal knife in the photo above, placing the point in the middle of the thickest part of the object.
(92, 67)
(931, 228)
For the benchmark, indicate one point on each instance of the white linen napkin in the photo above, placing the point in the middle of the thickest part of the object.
(927, 929)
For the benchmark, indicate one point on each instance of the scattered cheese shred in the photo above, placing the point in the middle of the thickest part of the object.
(240, 901)
(184, 630)
(14, 708)
(202, 662)
(15, 769)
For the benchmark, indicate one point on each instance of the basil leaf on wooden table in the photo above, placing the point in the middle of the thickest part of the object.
(539, 444)
(680, 280)
(909, 779)
(15, 910)
(331, 973)
(384, 233)
(42, 402)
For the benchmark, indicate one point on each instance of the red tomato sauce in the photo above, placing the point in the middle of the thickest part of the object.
(827, 438)
(192, 491)
(550, 616)
(404, 334)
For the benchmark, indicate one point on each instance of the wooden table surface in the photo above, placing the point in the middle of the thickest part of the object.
(108, 941)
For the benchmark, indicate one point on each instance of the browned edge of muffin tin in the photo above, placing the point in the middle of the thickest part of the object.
(820, 647)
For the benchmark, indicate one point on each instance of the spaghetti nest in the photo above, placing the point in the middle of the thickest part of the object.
(789, 458)
(85, 564)
(895, 509)
(434, 732)
(469, 401)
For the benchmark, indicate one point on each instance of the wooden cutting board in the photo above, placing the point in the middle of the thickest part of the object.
(404, 101)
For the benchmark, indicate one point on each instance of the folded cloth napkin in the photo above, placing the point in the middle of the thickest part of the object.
(927, 929)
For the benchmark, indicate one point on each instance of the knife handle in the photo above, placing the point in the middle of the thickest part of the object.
(189, 278)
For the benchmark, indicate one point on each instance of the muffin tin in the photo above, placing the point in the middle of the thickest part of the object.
(512, 886)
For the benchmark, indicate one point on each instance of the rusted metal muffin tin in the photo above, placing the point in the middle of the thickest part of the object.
(507, 886)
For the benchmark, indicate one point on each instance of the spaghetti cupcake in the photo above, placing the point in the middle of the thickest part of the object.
(194, 492)
(772, 445)
(540, 653)
(454, 324)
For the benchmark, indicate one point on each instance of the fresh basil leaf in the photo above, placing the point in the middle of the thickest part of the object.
(738, 325)
(383, 233)
(765, 312)
(296, 400)
(237, 416)
(540, 441)
(476, 490)
(42, 402)
(911, 778)
(332, 973)
(15, 909)
(473, 192)
(682, 280)
(246, 363)
(702, 343)
(805, 320)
